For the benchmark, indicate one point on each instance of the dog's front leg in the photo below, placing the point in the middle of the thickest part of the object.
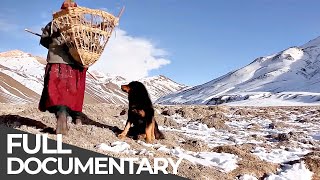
(125, 131)
(150, 131)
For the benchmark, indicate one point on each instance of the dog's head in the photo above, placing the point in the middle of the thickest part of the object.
(125, 88)
(136, 91)
(134, 87)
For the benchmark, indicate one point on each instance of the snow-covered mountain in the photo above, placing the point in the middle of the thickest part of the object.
(159, 86)
(22, 81)
(292, 75)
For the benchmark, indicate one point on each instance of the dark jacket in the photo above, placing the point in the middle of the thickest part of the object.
(58, 51)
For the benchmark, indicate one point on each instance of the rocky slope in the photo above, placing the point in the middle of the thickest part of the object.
(215, 142)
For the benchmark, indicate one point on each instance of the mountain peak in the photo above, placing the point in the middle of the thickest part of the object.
(14, 53)
(292, 74)
(158, 77)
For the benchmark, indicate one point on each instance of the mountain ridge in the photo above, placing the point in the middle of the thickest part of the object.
(22, 76)
(291, 74)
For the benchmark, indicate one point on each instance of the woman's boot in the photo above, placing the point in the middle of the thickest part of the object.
(77, 121)
(61, 115)
(77, 117)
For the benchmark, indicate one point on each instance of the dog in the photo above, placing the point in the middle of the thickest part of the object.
(140, 113)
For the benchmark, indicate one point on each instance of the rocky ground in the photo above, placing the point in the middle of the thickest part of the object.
(216, 142)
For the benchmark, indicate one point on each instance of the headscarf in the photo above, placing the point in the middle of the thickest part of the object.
(68, 3)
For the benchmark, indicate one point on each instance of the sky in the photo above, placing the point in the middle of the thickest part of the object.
(189, 41)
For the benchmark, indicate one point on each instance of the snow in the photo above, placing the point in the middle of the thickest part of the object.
(280, 155)
(275, 80)
(106, 78)
(27, 80)
(28, 71)
(115, 147)
(11, 97)
(24, 69)
(279, 100)
(293, 172)
(122, 147)
(159, 86)
(214, 137)
(247, 177)
(288, 78)
(218, 137)
(225, 162)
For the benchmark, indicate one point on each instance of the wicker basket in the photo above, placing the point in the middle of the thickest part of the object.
(86, 32)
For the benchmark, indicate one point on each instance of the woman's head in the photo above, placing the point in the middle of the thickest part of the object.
(68, 3)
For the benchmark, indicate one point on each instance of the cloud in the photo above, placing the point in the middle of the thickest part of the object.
(130, 57)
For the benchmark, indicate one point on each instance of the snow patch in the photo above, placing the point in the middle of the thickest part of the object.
(247, 177)
(296, 171)
(115, 147)
(279, 155)
(123, 147)
(225, 162)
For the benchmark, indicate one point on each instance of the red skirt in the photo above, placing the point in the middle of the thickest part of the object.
(64, 85)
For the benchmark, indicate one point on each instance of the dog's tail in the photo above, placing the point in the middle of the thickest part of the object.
(158, 134)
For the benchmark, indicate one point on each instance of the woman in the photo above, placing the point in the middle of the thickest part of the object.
(64, 80)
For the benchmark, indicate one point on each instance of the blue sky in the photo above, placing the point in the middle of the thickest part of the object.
(202, 39)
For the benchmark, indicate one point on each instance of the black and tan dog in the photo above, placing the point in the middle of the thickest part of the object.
(140, 113)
